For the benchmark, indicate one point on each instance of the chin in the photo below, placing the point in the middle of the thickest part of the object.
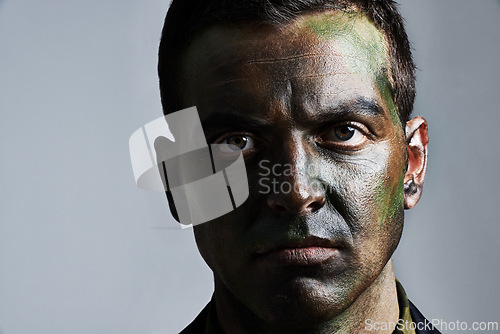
(303, 301)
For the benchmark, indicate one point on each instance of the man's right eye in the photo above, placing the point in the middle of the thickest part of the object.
(235, 143)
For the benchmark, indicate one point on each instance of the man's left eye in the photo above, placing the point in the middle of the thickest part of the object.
(342, 135)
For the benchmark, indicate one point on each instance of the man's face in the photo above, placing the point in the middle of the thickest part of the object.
(309, 104)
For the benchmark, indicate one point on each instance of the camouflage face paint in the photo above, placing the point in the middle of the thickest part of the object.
(357, 36)
(284, 87)
(390, 199)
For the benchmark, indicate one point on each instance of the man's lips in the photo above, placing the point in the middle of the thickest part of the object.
(305, 252)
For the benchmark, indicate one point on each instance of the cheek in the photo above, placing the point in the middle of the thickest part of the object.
(210, 242)
(205, 242)
(219, 243)
(368, 192)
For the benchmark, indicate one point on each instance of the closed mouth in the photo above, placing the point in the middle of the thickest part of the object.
(304, 252)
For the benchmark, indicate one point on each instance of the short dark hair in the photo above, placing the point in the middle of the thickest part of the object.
(186, 17)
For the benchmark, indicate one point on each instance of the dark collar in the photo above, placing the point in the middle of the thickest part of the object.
(421, 322)
(410, 319)
(206, 322)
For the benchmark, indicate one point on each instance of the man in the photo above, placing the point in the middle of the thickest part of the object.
(316, 96)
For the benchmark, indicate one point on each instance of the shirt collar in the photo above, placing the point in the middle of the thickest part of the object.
(405, 320)
(212, 326)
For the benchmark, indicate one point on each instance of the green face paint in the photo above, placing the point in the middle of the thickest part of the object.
(357, 36)
(384, 87)
(390, 199)
(365, 44)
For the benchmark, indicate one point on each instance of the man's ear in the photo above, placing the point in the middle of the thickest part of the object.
(417, 140)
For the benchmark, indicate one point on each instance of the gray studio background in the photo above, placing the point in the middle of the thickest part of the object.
(82, 250)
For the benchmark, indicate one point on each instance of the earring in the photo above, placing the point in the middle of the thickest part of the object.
(410, 187)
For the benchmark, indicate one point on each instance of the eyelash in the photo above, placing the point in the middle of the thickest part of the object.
(329, 145)
(221, 139)
(338, 145)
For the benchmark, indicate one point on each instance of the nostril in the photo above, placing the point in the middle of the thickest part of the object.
(281, 206)
(315, 205)
(277, 206)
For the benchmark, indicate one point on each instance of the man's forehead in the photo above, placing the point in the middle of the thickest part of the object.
(350, 36)
(323, 59)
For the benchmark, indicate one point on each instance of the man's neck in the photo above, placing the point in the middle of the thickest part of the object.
(377, 304)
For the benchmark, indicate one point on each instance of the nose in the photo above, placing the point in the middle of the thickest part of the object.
(297, 191)
(295, 203)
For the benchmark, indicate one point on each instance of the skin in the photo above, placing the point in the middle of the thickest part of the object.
(287, 92)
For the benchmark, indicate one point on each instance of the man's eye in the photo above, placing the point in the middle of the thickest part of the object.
(236, 143)
(343, 135)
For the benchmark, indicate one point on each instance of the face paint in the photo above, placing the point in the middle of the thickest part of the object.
(288, 89)
(384, 87)
(358, 37)
(390, 200)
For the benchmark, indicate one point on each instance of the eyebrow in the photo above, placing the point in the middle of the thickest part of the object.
(360, 106)
(222, 121)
